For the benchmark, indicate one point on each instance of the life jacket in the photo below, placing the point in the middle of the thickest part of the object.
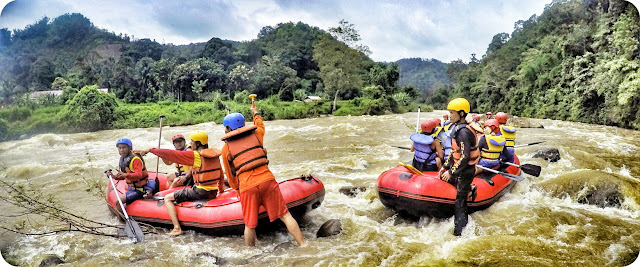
(245, 150)
(209, 171)
(445, 140)
(182, 168)
(495, 145)
(509, 134)
(446, 125)
(422, 144)
(126, 166)
(457, 151)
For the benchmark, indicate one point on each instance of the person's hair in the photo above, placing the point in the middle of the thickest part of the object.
(463, 116)
(200, 145)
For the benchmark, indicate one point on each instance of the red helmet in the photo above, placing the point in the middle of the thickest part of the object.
(476, 117)
(177, 136)
(501, 117)
(489, 113)
(428, 125)
(446, 116)
(436, 121)
(493, 124)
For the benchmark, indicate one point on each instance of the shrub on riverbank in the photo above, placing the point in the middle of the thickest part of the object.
(91, 111)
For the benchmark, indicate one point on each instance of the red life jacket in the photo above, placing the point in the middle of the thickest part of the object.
(210, 171)
(245, 150)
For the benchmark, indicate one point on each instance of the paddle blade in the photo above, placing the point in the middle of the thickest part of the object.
(133, 231)
(531, 169)
(516, 178)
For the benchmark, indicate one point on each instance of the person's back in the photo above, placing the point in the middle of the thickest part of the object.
(246, 166)
(423, 145)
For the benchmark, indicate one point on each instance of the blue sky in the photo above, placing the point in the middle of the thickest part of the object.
(393, 29)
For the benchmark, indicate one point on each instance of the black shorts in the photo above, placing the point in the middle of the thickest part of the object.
(193, 194)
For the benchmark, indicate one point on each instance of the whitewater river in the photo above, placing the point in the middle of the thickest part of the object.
(541, 222)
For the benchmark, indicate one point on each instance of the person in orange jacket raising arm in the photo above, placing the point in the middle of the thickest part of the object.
(245, 164)
(206, 171)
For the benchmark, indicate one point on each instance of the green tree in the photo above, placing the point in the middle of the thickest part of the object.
(89, 110)
(340, 67)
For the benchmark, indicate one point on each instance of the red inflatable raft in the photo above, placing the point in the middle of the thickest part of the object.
(222, 215)
(426, 195)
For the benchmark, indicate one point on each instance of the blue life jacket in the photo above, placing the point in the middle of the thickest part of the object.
(445, 140)
(422, 144)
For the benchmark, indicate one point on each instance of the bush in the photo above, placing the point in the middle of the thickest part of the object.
(89, 110)
(4, 130)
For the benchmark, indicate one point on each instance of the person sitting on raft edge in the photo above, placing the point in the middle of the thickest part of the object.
(491, 146)
(245, 165)
(428, 153)
(183, 174)
(132, 169)
(205, 167)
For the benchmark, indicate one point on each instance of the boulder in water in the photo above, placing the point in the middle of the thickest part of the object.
(606, 196)
(200, 255)
(329, 228)
(548, 154)
(523, 123)
(352, 191)
(50, 260)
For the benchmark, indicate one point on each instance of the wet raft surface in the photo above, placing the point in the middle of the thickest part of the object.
(546, 220)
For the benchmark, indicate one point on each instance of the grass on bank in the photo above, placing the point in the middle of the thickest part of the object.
(16, 121)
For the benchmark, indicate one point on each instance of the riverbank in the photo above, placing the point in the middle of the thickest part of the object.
(22, 121)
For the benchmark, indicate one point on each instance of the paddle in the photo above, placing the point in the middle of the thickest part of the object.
(527, 168)
(227, 109)
(253, 100)
(411, 168)
(402, 147)
(159, 138)
(530, 144)
(418, 121)
(516, 178)
(131, 229)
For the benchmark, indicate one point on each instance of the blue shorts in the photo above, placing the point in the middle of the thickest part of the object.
(134, 194)
(489, 163)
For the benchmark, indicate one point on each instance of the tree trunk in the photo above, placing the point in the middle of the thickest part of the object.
(335, 101)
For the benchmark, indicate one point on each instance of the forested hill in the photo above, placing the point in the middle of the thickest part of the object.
(288, 60)
(577, 61)
(424, 74)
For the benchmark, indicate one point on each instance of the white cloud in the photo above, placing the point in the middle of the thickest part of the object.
(393, 29)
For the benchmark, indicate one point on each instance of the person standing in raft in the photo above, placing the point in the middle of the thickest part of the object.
(459, 168)
(183, 175)
(205, 167)
(509, 134)
(245, 164)
(491, 146)
(428, 153)
(133, 170)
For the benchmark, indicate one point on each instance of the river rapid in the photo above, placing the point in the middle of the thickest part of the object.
(543, 221)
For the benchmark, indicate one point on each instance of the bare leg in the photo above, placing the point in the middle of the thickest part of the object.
(123, 198)
(170, 179)
(173, 213)
(250, 236)
(293, 228)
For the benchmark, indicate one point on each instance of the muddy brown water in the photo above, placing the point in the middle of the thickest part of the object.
(543, 221)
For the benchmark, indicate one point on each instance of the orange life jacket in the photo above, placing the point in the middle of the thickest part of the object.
(245, 150)
(127, 166)
(210, 171)
(457, 151)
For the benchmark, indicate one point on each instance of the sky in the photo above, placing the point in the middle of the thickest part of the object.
(393, 29)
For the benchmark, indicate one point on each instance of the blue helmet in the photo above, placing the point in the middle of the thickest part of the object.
(233, 121)
(125, 141)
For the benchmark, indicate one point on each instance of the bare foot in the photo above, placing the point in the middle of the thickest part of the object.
(175, 232)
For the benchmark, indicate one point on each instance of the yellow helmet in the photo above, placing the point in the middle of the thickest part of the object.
(199, 136)
(459, 104)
